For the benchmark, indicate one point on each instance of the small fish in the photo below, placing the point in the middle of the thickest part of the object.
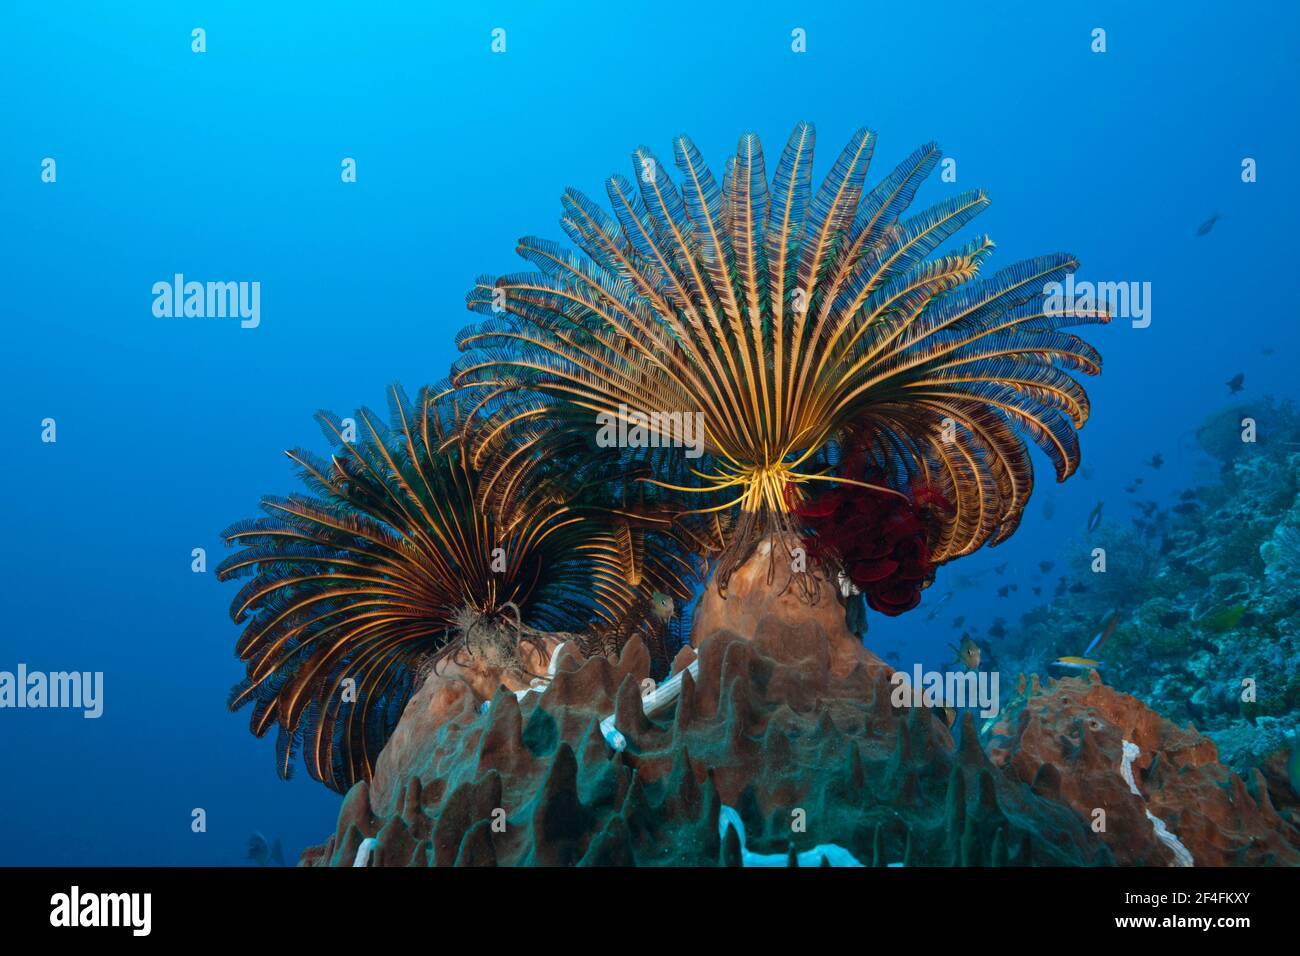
(264, 854)
(1130, 490)
(1049, 509)
(1188, 495)
(1186, 508)
(1000, 568)
(1078, 588)
(1085, 473)
(1077, 663)
(1102, 636)
(1236, 383)
(1138, 481)
(1061, 587)
(998, 628)
(1037, 591)
(959, 620)
(968, 654)
(661, 606)
(1004, 591)
(1046, 566)
(1204, 228)
(1156, 461)
(1265, 351)
(943, 599)
(1094, 519)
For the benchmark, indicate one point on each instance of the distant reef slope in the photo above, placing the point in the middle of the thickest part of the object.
(1207, 588)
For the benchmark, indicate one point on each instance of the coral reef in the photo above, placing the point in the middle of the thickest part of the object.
(1208, 590)
(791, 721)
(846, 396)
(887, 788)
(1068, 741)
(743, 342)
(794, 725)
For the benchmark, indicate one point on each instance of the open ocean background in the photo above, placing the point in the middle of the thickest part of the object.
(226, 166)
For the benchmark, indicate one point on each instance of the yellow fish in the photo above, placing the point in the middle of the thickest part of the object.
(1086, 663)
(1077, 663)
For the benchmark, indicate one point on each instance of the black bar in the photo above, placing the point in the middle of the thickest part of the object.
(521, 907)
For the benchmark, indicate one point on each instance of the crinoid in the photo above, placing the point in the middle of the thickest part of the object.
(403, 556)
(782, 320)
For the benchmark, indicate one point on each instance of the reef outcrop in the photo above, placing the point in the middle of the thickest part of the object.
(1067, 740)
(787, 727)
(788, 724)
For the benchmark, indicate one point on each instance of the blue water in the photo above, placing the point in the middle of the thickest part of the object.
(226, 166)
